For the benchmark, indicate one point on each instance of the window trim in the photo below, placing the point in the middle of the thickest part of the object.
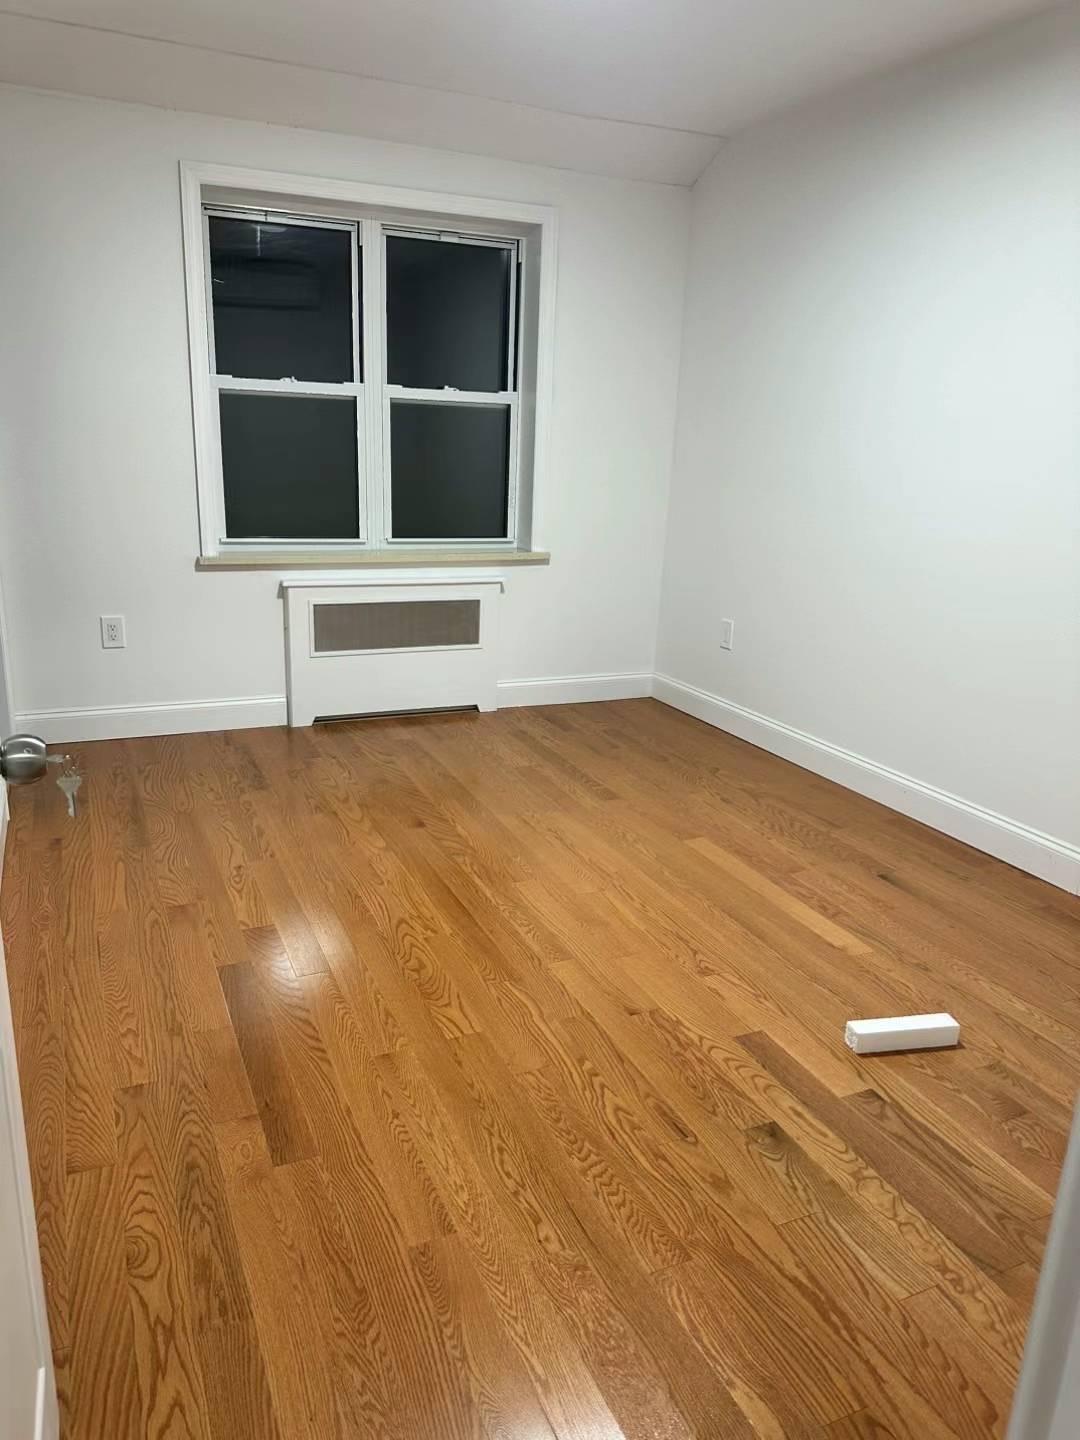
(413, 211)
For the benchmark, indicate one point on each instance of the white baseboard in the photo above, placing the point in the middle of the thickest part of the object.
(1050, 859)
(574, 689)
(124, 722)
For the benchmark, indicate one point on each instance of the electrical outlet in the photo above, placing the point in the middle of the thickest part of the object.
(112, 632)
(727, 634)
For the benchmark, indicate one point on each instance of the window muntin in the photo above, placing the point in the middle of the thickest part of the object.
(282, 310)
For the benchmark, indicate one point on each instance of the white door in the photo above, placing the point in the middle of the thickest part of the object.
(28, 1409)
(1047, 1404)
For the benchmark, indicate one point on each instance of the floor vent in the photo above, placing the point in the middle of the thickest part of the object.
(382, 646)
(397, 714)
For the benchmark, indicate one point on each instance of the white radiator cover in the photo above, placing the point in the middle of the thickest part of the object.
(321, 684)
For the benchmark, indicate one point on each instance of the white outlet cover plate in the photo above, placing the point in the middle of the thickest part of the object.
(113, 636)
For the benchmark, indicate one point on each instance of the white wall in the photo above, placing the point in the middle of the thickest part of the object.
(95, 409)
(878, 443)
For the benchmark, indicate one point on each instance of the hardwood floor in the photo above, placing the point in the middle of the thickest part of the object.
(482, 1076)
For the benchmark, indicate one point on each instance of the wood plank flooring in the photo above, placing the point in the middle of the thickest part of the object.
(482, 1076)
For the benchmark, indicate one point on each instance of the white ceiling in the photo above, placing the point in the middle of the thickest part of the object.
(705, 66)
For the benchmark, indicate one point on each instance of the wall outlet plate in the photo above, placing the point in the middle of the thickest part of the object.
(727, 634)
(113, 635)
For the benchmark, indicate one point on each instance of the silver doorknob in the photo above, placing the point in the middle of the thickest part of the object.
(23, 759)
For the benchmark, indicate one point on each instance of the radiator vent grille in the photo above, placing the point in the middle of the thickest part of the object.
(395, 625)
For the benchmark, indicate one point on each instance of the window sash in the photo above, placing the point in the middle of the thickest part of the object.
(227, 385)
(457, 238)
(237, 384)
(280, 217)
(484, 399)
(498, 399)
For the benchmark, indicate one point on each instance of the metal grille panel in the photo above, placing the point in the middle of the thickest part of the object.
(396, 625)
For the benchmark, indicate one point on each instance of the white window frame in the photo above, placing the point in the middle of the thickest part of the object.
(531, 230)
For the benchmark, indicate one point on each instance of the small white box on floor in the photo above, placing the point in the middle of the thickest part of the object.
(903, 1032)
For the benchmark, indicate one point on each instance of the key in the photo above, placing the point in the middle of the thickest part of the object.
(69, 781)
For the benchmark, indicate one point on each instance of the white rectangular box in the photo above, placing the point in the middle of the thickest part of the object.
(902, 1032)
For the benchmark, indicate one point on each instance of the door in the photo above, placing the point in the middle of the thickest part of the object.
(28, 1409)
(1047, 1404)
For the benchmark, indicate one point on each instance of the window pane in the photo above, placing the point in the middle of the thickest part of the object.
(282, 298)
(290, 467)
(447, 314)
(449, 471)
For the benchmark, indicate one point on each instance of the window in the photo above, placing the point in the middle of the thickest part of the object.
(369, 376)
(450, 364)
(285, 353)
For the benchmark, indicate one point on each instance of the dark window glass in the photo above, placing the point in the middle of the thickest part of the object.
(290, 467)
(282, 299)
(449, 470)
(447, 314)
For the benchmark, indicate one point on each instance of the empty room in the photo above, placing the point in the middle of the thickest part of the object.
(539, 720)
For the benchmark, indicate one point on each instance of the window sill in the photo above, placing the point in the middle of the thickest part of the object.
(366, 559)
